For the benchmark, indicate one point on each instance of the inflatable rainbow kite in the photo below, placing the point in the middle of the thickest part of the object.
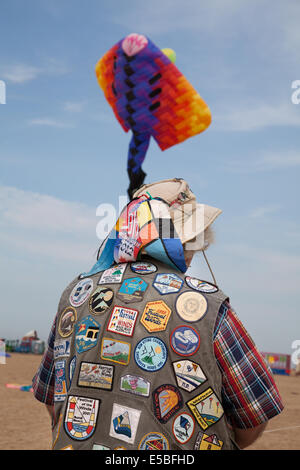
(150, 96)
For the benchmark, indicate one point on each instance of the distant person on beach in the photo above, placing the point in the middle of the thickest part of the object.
(143, 356)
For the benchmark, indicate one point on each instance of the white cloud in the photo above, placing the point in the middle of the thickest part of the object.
(45, 225)
(74, 106)
(263, 211)
(259, 116)
(39, 211)
(49, 122)
(19, 73)
(266, 162)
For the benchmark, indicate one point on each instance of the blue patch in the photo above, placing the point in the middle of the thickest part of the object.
(72, 366)
(167, 283)
(122, 424)
(185, 340)
(61, 348)
(60, 389)
(86, 334)
(132, 290)
(151, 354)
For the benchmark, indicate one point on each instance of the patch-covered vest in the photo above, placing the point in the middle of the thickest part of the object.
(134, 362)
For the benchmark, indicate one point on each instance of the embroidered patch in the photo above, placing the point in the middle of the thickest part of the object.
(124, 423)
(132, 290)
(167, 400)
(135, 384)
(122, 320)
(120, 448)
(156, 316)
(151, 354)
(66, 322)
(81, 292)
(206, 408)
(115, 351)
(191, 306)
(167, 283)
(185, 340)
(100, 300)
(113, 275)
(154, 441)
(100, 447)
(81, 417)
(189, 375)
(61, 348)
(72, 366)
(143, 268)
(96, 375)
(60, 388)
(201, 286)
(183, 427)
(86, 334)
(206, 442)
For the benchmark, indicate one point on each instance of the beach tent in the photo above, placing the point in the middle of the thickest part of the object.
(279, 363)
(31, 335)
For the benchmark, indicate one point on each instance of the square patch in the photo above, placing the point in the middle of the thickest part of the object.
(96, 375)
(124, 423)
(113, 275)
(115, 351)
(122, 320)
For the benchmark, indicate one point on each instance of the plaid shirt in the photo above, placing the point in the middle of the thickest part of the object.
(249, 394)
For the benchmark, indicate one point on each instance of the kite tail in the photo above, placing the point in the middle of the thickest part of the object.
(137, 151)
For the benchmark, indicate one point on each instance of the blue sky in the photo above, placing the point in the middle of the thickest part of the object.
(62, 152)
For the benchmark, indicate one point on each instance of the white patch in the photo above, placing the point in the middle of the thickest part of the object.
(124, 423)
(113, 275)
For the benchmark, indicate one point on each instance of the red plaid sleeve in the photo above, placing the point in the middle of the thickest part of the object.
(43, 381)
(250, 396)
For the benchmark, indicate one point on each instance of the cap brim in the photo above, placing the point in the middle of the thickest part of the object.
(190, 226)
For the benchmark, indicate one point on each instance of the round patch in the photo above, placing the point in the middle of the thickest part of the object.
(81, 292)
(201, 286)
(66, 322)
(183, 427)
(151, 354)
(154, 441)
(143, 268)
(185, 340)
(101, 300)
(191, 306)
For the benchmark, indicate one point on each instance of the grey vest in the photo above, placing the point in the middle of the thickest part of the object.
(134, 362)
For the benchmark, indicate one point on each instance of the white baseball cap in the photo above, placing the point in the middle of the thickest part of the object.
(190, 218)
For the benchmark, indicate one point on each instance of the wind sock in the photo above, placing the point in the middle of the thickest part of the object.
(150, 97)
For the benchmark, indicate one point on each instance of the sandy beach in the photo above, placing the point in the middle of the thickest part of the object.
(27, 423)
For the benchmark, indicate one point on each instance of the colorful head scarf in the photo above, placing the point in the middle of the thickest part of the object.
(144, 226)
